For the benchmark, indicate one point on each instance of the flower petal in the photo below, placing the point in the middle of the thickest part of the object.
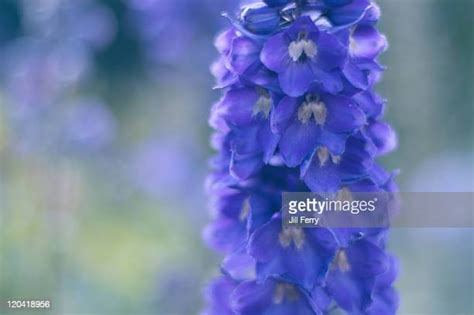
(244, 166)
(331, 52)
(268, 141)
(239, 265)
(251, 298)
(218, 296)
(336, 143)
(263, 244)
(322, 178)
(355, 76)
(223, 41)
(262, 207)
(237, 106)
(370, 103)
(367, 259)
(274, 53)
(343, 115)
(350, 13)
(244, 53)
(283, 114)
(329, 81)
(298, 141)
(224, 234)
(296, 78)
(367, 42)
(383, 136)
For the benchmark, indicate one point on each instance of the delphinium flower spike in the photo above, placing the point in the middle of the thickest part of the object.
(299, 113)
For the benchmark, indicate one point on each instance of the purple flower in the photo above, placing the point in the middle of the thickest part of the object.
(326, 172)
(86, 22)
(366, 43)
(260, 19)
(169, 29)
(362, 69)
(354, 273)
(345, 12)
(298, 255)
(299, 113)
(317, 119)
(303, 54)
(276, 3)
(246, 112)
(223, 42)
(47, 65)
(218, 295)
(272, 297)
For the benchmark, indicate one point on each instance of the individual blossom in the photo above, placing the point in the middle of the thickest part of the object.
(354, 273)
(224, 77)
(316, 119)
(272, 297)
(326, 172)
(298, 255)
(246, 111)
(260, 19)
(304, 54)
(244, 60)
(339, 13)
(218, 296)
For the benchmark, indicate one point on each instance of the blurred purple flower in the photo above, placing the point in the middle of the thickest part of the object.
(37, 73)
(42, 69)
(87, 125)
(153, 168)
(86, 22)
(171, 29)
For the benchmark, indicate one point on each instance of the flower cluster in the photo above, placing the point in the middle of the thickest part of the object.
(299, 113)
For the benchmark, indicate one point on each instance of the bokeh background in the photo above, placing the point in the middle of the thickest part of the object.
(104, 143)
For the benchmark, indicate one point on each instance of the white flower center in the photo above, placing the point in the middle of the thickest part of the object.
(344, 194)
(244, 212)
(297, 48)
(283, 290)
(324, 155)
(336, 159)
(341, 261)
(263, 104)
(315, 109)
(291, 235)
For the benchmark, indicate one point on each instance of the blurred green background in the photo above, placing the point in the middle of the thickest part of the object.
(115, 227)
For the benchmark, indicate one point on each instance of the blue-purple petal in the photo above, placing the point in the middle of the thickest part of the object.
(274, 53)
(298, 141)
